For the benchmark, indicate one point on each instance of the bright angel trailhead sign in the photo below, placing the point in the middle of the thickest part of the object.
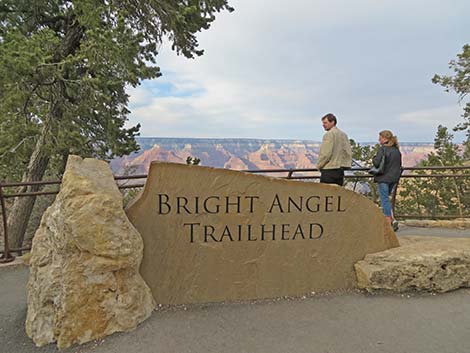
(219, 235)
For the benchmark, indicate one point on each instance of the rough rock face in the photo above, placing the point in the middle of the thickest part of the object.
(84, 269)
(420, 264)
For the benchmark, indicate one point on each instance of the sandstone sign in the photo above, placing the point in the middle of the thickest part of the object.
(216, 235)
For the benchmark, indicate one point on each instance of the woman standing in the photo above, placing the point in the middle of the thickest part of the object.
(388, 180)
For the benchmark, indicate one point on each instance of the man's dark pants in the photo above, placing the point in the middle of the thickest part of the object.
(332, 176)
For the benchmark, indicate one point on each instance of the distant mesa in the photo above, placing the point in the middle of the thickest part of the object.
(239, 154)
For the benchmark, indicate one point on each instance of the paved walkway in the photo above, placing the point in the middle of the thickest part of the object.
(340, 322)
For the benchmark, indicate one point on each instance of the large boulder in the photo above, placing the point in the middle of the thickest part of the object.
(420, 264)
(84, 269)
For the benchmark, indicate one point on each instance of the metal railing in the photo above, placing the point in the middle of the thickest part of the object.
(350, 174)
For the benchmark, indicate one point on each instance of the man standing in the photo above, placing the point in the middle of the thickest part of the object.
(335, 152)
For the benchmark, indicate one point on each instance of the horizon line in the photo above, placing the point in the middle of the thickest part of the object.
(269, 139)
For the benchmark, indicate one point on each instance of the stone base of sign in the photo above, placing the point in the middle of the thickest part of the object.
(84, 281)
(220, 235)
(420, 264)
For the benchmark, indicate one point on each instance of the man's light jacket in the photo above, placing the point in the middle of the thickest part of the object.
(335, 150)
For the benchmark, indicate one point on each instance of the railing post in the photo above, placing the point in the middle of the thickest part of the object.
(6, 257)
(291, 171)
(394, 194)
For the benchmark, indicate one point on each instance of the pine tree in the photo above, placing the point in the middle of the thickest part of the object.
(460, 84)
(65, 68)
(437, 196)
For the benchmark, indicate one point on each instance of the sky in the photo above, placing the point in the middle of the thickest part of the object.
(272, 69)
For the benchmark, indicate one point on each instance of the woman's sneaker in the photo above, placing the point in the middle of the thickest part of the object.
(395, 225)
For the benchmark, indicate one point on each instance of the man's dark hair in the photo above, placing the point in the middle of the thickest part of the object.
(331, 118)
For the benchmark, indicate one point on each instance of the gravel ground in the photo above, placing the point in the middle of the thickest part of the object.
(434, 232)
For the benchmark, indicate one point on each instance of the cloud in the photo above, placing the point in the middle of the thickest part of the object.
(447, 116)
(272, 70)
(424, 122)
(138, 96)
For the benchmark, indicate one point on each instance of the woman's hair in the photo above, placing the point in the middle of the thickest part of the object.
(391, 139)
